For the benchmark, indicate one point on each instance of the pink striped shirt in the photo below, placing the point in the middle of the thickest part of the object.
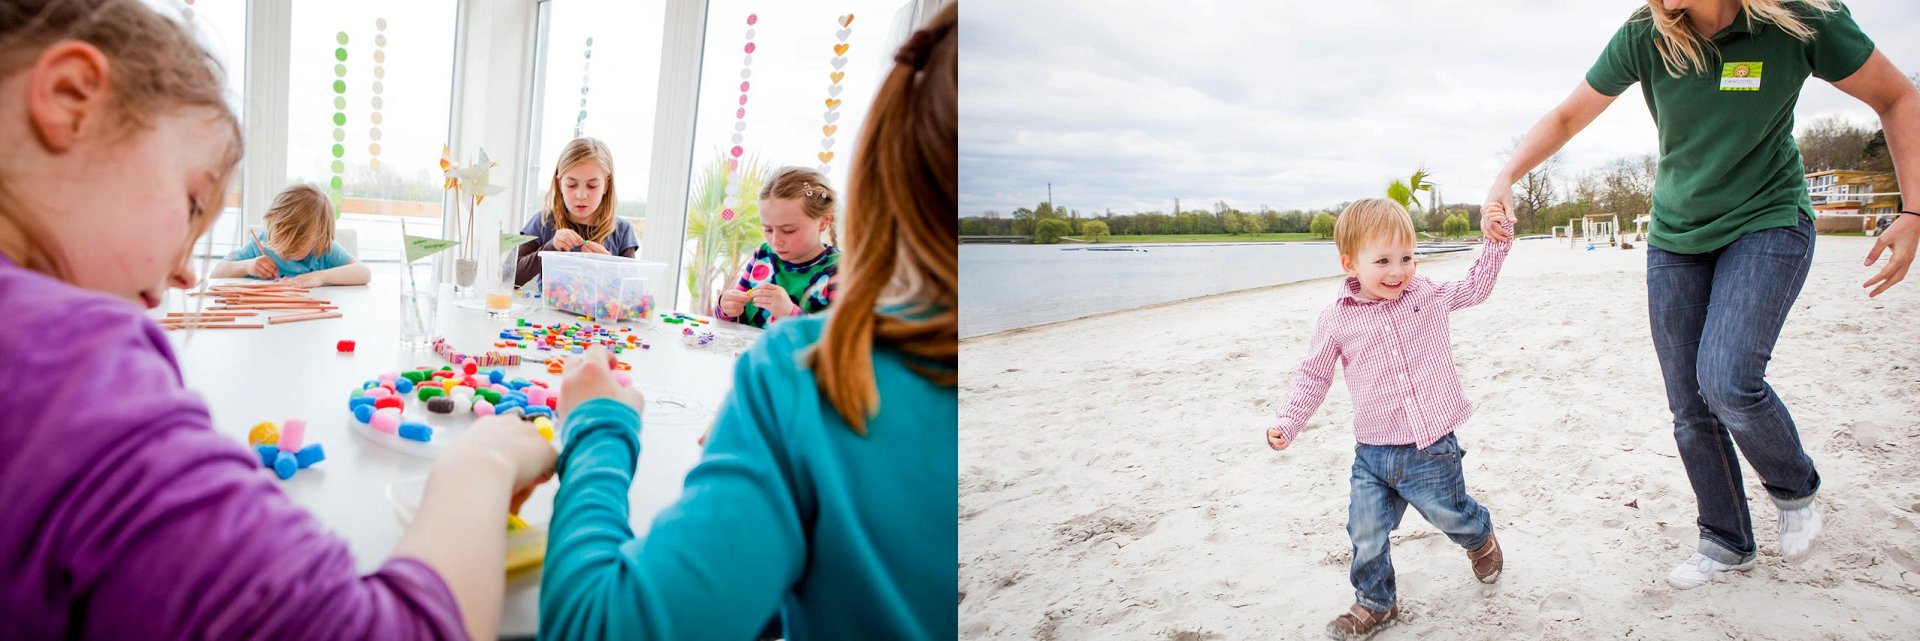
(1398, 358)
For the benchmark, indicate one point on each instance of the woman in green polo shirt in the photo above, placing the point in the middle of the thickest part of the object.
(1732, 235)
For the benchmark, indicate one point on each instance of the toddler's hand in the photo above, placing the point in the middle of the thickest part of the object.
(309, 279)
(1493, 221)
(263, 268)
(1275, 440)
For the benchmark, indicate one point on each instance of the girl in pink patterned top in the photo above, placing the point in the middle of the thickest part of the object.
(1389, 328)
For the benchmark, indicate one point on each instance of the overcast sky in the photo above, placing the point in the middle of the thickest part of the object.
(1128, 104)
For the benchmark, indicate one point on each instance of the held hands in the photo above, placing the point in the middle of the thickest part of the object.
(566, 239)
(1901, 238)
(1494, 219)
(733, 302)
(1500, 203)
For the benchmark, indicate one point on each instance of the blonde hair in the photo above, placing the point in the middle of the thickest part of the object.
(1369, 219)
(156, 67)
(301, 218)
(577, 151)
(1684, 52)
(901, 231)
(810, 188)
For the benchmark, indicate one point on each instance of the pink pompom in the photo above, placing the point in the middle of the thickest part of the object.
(623, 378)
(385, 423)
(536, 395)
(482, 408)
(290, 434)
(379, 392)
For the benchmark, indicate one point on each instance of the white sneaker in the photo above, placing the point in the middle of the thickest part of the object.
(1699, 570)
(1799, 528)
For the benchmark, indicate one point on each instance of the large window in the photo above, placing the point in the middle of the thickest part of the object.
(600, 70)
(370, 85)
(783, 84)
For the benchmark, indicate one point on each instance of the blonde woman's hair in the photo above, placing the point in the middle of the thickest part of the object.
(1368, 219)
(577, 151)
(1685, 52)
(301, 218)
(816, 197)
(902, 237)
(156, 67)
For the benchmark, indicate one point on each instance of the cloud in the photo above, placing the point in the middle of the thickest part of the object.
(1130, 104)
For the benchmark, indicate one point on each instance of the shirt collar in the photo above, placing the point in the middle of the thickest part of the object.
(1350, 291)
(1740, 25)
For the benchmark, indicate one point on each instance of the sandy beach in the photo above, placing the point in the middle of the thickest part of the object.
(1114, 482)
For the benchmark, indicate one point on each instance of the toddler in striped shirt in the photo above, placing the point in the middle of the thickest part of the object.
(1389, 329)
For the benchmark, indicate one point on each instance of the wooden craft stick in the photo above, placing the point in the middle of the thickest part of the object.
(295, 318)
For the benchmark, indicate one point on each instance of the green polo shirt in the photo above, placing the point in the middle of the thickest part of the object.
(1728, 161)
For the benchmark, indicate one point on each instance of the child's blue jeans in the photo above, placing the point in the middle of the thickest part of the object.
(1388, 478)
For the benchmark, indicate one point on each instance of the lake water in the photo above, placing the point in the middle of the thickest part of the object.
(1005, 287)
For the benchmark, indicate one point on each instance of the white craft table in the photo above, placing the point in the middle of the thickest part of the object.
(292, 370)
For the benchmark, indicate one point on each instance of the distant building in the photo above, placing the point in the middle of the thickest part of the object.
(1849, 200)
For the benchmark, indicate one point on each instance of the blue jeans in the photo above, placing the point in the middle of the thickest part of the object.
(1715, 319)
(1388, 478)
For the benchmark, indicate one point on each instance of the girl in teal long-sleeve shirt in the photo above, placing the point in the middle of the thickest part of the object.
(826, 494)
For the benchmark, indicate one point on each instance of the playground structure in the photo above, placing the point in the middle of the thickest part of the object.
(1595, 228)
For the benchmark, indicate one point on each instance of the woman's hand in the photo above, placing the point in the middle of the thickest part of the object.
(1900, 238)
(566, 239)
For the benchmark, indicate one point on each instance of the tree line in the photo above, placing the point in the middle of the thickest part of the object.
(1546, 197)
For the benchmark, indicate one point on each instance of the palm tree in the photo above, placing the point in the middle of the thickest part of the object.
(723, 246)
(1406, 192)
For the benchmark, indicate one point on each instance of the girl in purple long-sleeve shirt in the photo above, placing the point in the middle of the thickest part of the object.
(127, 515)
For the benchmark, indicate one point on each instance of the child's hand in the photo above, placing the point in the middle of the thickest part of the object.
(566, 239)
(1493, 222)
(263, 268)
(772, 298)
(309, 279)
(733, 302)
(511, 442)
(596, 248)
(1274, 439)
(589, 377)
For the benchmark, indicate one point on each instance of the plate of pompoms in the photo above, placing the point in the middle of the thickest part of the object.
(387, 409)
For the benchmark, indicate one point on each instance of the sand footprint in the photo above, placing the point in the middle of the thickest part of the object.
(1560, 606)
